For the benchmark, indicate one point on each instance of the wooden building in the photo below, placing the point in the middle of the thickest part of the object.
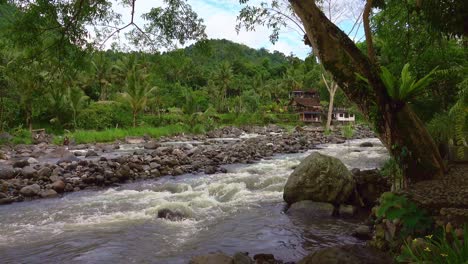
(307, 105)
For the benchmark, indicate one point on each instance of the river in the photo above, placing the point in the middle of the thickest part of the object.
(241, 210)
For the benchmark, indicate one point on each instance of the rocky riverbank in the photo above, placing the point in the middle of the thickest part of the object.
(43, 171)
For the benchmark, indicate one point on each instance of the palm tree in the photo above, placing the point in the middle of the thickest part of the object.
(137, 91)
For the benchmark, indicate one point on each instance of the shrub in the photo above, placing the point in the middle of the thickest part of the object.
(413, 219)
(443, 247)
(102, 115)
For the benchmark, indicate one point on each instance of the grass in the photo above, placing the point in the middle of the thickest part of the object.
(109, 135)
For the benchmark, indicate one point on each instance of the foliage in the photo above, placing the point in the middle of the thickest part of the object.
(405, 88)
(112, 134)
(391, 169)
(104, 115)
(347, 131)
(443, 247)
(413, 219)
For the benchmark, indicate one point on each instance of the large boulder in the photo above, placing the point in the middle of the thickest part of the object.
(320, 178)
(348, 254)
(370, 185)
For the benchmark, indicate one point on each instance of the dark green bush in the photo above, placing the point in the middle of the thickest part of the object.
(102, 115)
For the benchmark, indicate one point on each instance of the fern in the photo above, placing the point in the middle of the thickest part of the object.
(407, 87)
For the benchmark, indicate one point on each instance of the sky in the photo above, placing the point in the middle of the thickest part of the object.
(220, 19)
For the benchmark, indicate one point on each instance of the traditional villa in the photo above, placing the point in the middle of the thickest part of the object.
(307, 104)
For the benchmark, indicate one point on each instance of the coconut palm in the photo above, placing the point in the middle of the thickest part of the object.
(138, 91)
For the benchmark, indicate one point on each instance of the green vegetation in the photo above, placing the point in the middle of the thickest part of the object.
(444, 247)
(413, 219)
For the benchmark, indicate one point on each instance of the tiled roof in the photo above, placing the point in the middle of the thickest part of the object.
(307, 102)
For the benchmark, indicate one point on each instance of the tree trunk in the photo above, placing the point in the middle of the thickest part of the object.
(397, 125)
(134, 118)
(331, 90)
(330, 107)
(368, 32)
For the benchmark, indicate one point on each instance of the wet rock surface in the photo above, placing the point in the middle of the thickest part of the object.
(90, 166)
(348, 254)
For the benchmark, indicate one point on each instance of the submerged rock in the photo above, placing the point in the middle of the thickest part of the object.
(171, 215)
(319, 178)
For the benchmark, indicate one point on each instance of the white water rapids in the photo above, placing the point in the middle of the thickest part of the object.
(241, 210)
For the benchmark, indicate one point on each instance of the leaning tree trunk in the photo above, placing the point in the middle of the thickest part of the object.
(397, 125)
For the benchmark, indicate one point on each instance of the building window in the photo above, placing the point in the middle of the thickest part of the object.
(341, 115)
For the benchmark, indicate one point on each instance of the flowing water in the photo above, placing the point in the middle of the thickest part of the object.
(238, 211)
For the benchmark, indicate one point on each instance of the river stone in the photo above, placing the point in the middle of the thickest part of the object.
(366, 145)
(32, 161)
(151, 145)
(348, 254)
(28, 172)
(6, 173)
(171, 215)
(212, 258)
(242, 258)
(319, 178)
(362, 232)
(69, 158)
(49, 194)
(30, 190)
(91, 153)
(58, 186)
(44, 172)
(210, 170)
(20, 164)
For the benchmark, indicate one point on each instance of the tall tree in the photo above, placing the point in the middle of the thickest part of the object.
(397, 125)
(137, 91)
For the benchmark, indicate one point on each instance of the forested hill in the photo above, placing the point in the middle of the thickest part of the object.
(217, 50)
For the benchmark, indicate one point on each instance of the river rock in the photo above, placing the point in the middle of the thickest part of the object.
(265, 259)
(362, 232)
(28, 172)
(171, 215)
(242, 258)
(212, 258)
(44, 172)
(366, 145)
(151, 145)
(58, 186)
(319, 178)
(348, 254)
(307, 208)
(20, 164)
(91, 153)
(49, 194)
(32, 161)
(30, 190)
(69, 158)
(6, 173)
(210, 170)
(370, 185)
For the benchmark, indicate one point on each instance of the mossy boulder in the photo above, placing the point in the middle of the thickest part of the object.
(320, 178)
